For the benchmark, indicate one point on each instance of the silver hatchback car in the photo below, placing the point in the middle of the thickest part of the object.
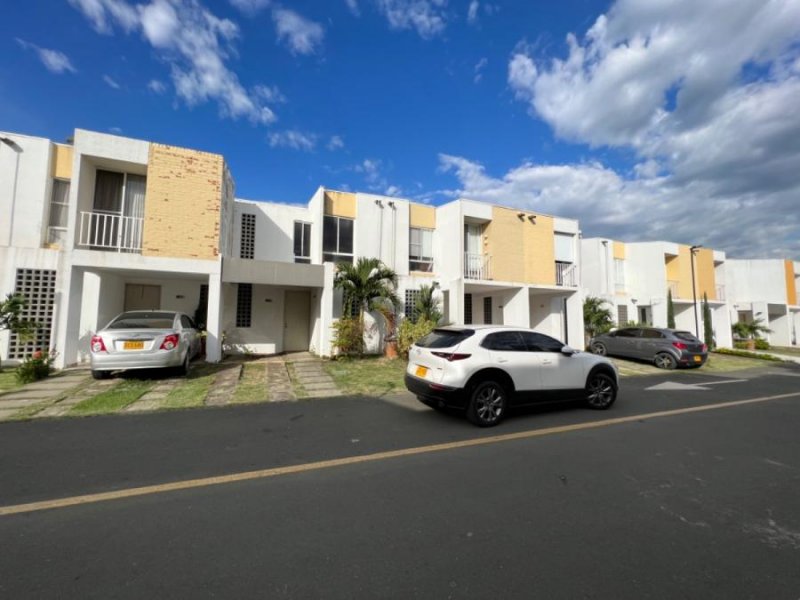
(145, 339)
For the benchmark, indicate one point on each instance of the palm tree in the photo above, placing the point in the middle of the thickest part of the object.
(750, 330)
(10, 317)
(366, 285)
(596, 318)
(427, 306)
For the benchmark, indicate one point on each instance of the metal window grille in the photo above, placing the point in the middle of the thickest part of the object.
(487, 310)
(248, 241)
(622, 315)
(38, 288)
(244, 305)
(410, 307)
(467, 309)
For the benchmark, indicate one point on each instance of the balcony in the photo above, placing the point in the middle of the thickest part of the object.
(110, 231)
(566, 274)
(476, 266)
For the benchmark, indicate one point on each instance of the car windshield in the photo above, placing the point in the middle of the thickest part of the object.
(143, 320)
(444, 338)
(685, 336)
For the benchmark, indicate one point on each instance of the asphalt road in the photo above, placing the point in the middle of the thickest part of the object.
(691, 505)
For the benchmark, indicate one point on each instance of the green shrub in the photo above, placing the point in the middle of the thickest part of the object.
(410, 332)
(762, 344)
(34, 368)
(745, 354)
(740, 345)
(348, 336)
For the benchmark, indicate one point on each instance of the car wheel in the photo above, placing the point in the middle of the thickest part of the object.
(183, 370)
(101, 374)
(487, 404)
(598, 348)
(600, 391)
(665, 360)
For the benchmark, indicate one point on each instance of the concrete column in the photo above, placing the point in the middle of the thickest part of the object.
(781, 328)
(721, 318)
(214, 318)
(327, 316)
(574, 316)
(516, 308)
(68, 317)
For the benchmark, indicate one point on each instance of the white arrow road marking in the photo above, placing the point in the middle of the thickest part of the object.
(674, 385)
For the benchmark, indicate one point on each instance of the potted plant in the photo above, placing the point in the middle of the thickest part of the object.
(750, 331)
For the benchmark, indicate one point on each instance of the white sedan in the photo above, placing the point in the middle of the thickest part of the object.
(485, 369)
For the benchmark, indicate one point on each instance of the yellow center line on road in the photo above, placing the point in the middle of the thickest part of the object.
(351, 460)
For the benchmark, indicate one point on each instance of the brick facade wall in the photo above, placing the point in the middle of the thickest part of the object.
(182, 203)
(520, 250)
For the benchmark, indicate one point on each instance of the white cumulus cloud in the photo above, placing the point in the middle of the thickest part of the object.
(296, 140)
(53, 60)
(426, 17)
(301, 35)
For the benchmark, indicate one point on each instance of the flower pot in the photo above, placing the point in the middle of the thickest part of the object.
(750, 345)
(390, 350)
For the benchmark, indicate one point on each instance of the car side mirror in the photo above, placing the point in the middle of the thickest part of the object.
(568, 350)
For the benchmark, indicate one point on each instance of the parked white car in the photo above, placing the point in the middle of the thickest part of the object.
(145, 339)
(486, 369)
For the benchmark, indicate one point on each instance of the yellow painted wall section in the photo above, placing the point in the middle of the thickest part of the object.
(704, 270)
(340, 204)
(520, 250)
(619, 250)
(684, 273)
(182, 203)
(791, 286)
(423, 216)
(62, 162)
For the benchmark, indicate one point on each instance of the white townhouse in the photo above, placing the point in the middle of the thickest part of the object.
(635, 279)
(767, 289)
(105, 223)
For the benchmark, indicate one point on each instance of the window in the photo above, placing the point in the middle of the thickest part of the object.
(564, 247)
(619, 274)
(38, 287)
(247, 244)
(115, 195)
(186, 322)
(487, 310)
(538, 342)
(652, 334)
(410, 307)
(467, 309)
(508, 341)
(444, 338)
(337, 239)
(244, 304)
(59, 203)
(420, 250)
(302, 242)
(627, 333)
(622, 315)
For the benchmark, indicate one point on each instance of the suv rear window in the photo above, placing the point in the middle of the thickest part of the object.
(444, 338)
(685, 336)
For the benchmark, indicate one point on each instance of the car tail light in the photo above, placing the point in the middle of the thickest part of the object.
(705, 348)
(97, 344)
(451, 356)
(679, 345)
(170, 341)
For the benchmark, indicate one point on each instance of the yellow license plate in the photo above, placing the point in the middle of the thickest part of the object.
(422, 371)
(133, 346)
(697, 359)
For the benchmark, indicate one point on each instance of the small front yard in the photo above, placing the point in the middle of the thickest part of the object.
(790, 350)
(8, 380)
(372, 375)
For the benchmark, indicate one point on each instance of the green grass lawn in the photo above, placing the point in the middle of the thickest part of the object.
(252, 384)
(190, 392)
(792, 351)
(8, 380)
(369, 375)
(717, 363)
(114, 399)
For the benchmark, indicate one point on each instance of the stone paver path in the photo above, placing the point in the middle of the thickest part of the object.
(309, 374)
(63, 406)
(224, 386)
(154, 398)
(40, 393)
(279, 384)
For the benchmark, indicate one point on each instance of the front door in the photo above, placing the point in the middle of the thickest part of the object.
(296, 316)
(142, 297)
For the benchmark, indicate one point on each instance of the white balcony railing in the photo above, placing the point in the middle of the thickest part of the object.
(476, 266)
(566, 274)
(110, 231)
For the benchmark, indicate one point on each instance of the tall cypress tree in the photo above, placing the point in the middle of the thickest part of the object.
(708, 330)
(670, 310)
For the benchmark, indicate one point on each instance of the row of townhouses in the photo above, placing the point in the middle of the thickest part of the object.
(105, 223)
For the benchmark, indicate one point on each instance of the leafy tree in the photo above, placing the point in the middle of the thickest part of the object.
(670, 311)
(597, 318)
(426, 308)
(708, 329)
(10, 316)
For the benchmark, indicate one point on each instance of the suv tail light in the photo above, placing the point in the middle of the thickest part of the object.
(705, 348)
(679, 345)
(451, 356)
(97, 344)
(170, 341)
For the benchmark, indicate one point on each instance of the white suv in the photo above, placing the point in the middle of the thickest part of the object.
(485, 369)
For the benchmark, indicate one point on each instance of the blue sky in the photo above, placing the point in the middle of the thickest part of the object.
(628, 115)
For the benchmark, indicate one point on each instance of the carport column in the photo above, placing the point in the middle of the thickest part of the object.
(214, 319)
(517, 308)
(326, 310)
(721, 318)
(574, 311)
(68, 318)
